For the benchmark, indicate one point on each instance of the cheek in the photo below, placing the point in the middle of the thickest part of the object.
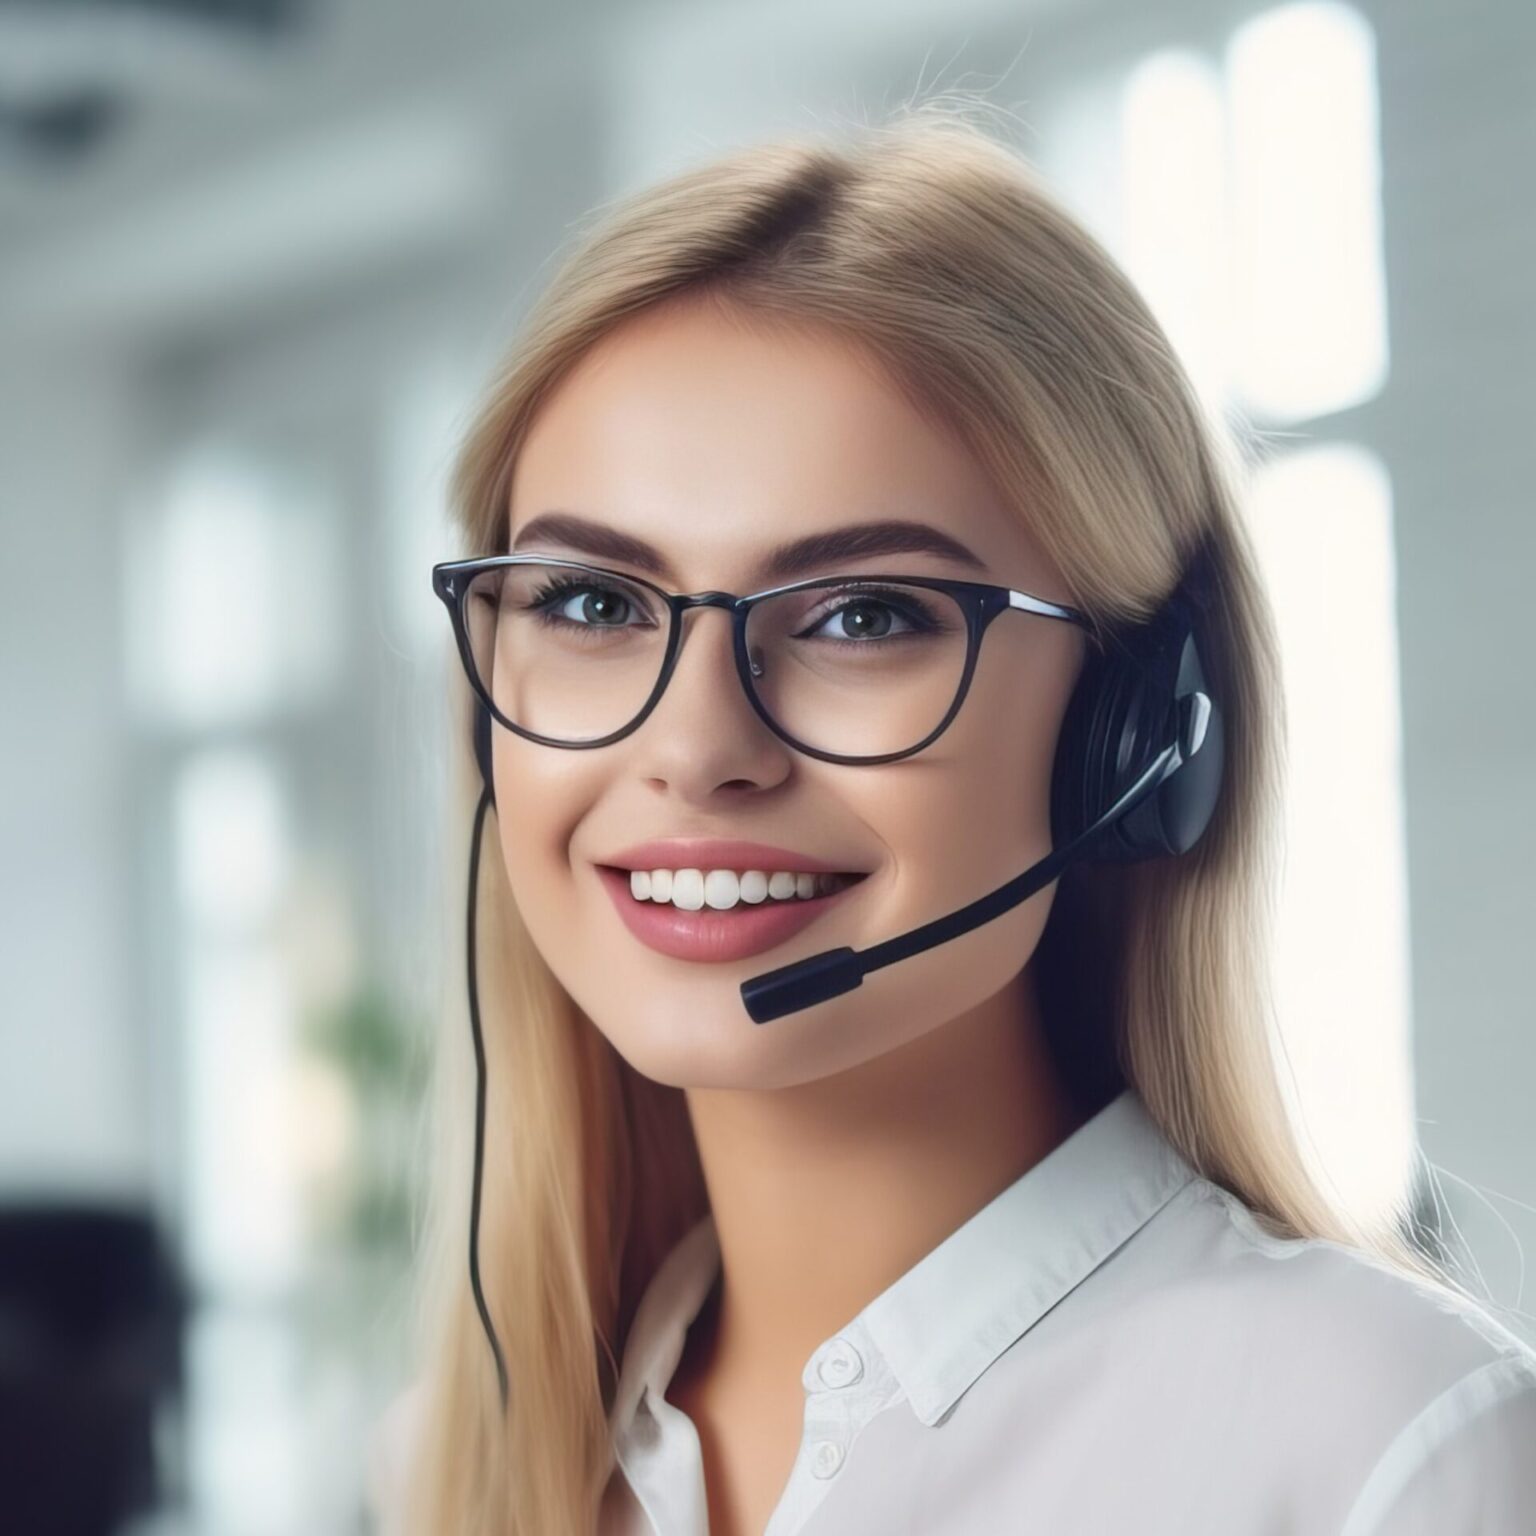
(531, 871)
(975, 808)
(974, 818)
(539, 804)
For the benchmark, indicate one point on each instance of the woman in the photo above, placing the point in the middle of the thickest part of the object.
(1017, 1232)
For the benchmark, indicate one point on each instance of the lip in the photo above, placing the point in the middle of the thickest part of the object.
(710, 935)
(708, 853)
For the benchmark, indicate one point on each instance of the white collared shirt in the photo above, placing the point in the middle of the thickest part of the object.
(1113, 1345)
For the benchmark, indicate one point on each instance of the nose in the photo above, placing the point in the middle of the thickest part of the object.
(704, 729)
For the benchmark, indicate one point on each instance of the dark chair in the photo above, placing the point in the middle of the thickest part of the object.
(91, 1316)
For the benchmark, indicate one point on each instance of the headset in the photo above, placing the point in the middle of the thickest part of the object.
(1137, 775)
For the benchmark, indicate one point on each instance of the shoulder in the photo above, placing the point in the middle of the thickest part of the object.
(391, 1441)
(1470, 1451)
(1429, 1396)
(1340, 1304)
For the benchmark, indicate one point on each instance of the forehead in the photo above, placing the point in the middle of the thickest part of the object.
(716, 437)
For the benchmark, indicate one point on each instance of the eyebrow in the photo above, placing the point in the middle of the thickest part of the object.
(783, 562)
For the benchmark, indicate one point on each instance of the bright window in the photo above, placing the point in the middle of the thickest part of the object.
(1236, 175)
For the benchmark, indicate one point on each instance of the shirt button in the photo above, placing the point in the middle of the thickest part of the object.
(840, 1365)
(826, 1458)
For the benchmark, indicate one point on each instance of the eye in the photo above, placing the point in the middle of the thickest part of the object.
(867, 618)
(568, 602)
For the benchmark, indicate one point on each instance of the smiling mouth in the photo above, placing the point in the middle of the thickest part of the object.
(723, 891)
(730, 926)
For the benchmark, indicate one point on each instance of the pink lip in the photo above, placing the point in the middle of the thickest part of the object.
(708, 934)
(708, 853)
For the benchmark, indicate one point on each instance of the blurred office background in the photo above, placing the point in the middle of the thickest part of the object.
(257, 256)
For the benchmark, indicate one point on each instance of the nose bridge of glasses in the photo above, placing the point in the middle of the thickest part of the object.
(727, 601)
(710, 599)
(690, 602)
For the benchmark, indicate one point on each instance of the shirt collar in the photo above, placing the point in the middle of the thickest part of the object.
(950, 1316)
(992, 1279)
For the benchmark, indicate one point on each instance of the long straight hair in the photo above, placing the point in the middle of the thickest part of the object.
(938, 248)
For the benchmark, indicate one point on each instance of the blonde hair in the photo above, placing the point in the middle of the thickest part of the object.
(941, 250)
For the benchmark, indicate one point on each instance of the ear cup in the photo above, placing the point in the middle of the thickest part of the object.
(482, 734)
(1068, 772)
(1126, 709)
(1119, 732)
(1189, 798)
(1083, 776)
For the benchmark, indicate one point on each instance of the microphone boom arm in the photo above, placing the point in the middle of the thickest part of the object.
(792, 987)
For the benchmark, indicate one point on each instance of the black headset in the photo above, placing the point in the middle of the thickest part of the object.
(1137, 775)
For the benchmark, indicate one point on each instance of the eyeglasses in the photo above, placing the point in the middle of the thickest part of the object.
(848, 669)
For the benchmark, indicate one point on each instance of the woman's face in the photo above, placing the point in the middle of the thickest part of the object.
(714, 440)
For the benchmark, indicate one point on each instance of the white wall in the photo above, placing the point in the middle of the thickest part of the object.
(1459, 123)
(75, 1096)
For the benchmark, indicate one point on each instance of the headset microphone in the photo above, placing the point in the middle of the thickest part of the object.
(1137, 775)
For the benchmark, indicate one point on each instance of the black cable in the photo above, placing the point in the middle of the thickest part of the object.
(474, 1024)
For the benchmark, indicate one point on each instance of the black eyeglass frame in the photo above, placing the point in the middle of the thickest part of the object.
(980, 601)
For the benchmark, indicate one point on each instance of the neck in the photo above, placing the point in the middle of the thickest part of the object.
(827, 1192)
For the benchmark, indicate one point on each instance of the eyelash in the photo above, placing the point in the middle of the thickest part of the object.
(925, 622)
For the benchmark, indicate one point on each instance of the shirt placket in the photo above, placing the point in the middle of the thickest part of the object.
(847, 1382)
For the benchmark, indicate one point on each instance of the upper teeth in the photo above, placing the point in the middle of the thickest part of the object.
(691, 889)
